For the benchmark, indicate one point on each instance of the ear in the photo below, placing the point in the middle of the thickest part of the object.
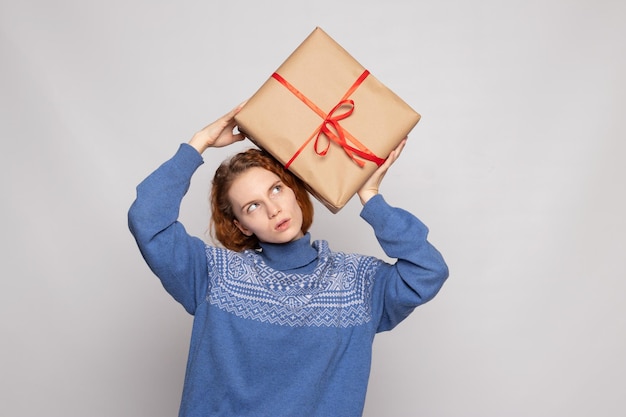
(242, 228)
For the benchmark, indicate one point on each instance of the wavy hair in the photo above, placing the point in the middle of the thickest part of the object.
(222, 225)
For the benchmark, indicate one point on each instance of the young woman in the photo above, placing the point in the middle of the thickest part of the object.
(282, 326)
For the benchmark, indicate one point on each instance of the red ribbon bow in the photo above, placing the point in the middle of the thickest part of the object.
(330, 127)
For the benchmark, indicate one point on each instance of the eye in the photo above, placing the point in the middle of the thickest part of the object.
(277, 188)
(252, 207)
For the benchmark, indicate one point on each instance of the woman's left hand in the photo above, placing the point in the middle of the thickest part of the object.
(370, 188)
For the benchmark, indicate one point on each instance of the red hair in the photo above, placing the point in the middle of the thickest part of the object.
(222, 218)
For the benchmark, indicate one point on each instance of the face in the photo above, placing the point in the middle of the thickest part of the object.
(265, 207)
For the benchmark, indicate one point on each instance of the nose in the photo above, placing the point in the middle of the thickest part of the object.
(273, 211)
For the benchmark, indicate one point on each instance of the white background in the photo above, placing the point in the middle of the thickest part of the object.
(516, 167)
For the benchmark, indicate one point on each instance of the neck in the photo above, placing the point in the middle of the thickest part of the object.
(288, 256)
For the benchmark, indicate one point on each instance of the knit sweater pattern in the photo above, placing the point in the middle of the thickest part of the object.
(337, 292)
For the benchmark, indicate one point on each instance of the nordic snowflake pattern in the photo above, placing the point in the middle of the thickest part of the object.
(336, 294)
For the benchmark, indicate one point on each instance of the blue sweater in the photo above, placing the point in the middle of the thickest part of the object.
(285, 331)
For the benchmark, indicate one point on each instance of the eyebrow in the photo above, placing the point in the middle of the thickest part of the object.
(278, 181)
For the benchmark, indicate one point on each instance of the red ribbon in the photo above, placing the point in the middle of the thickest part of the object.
(330, 127)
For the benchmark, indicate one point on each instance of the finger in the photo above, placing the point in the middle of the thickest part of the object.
(399, 148)
(402, 144)
(395, 154)
(228, 117)
(230, 125)
(393, 157)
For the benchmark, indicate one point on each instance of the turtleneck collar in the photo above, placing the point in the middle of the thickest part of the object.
(291, 255)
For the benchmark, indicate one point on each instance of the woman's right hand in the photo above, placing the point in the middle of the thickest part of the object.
(219, 133)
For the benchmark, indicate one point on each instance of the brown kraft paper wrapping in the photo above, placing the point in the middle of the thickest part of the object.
(275, 119)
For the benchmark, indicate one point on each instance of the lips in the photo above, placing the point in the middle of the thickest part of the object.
(282, 224)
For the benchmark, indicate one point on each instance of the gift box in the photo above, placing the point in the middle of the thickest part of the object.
(327, 119)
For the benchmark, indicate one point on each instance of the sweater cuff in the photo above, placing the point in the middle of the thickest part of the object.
(372, 209)
(187, 158)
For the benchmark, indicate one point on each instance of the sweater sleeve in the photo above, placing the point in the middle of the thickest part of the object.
(177, 258)
(420, 270)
